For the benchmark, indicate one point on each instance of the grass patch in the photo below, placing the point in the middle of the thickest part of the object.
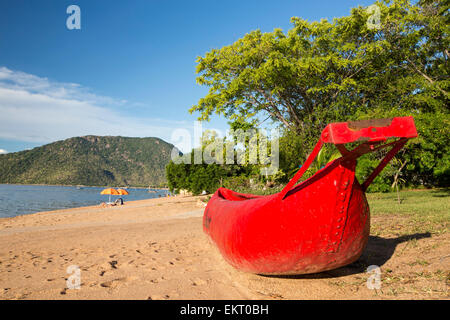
(419, 211)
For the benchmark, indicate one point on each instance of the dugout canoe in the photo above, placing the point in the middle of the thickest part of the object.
(320, 224)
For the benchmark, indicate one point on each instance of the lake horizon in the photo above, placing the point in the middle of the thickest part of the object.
(22, 199)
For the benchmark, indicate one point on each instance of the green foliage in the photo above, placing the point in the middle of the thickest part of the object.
(326, 154)
(294, 149)
(177, 176)
(205, 178)
(237, 182)
(195, 178)
(366, 165)
(322, 72)
(90, 160)
(427, 156)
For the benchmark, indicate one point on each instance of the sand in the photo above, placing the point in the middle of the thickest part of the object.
(156, 249)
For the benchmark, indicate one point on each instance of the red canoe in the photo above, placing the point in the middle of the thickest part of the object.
(320, 224)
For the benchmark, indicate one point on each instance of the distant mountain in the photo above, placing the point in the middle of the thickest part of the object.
(90, 160)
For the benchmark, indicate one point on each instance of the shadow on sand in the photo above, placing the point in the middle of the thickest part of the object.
(377, 252)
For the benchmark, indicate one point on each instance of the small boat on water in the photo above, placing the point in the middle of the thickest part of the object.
(320, 224)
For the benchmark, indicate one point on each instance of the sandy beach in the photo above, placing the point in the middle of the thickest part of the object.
(156, 249)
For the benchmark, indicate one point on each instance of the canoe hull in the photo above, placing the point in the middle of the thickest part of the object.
(321, 224)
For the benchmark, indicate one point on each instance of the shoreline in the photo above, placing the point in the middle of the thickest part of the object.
(127, 204)
(72, 197)
(79, 185)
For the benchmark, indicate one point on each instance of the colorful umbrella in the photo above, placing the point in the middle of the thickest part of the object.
(110, 191)
(122, 191)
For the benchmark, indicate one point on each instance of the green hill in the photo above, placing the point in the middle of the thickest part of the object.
(90, 160)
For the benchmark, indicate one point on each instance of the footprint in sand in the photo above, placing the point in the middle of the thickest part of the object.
(116, 282)
(198, 282)
(190, 268)
(158, 297)
(111, 264)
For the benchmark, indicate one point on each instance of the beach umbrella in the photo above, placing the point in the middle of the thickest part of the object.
(122, 191)
(110, 191)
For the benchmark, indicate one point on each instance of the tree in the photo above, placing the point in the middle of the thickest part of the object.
(347, 69)
(321, 72)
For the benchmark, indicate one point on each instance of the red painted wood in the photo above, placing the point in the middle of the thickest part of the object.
(322, 223)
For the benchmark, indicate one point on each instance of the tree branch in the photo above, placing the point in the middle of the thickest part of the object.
(275, 111)
(275, 114)
(425, 76)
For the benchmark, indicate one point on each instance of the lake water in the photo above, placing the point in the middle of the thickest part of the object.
(17, 200)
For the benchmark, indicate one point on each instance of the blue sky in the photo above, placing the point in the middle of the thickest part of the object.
(129, 71)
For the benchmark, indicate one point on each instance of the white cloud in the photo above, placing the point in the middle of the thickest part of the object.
(3, 151)
(18, 80)
(35, 109)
